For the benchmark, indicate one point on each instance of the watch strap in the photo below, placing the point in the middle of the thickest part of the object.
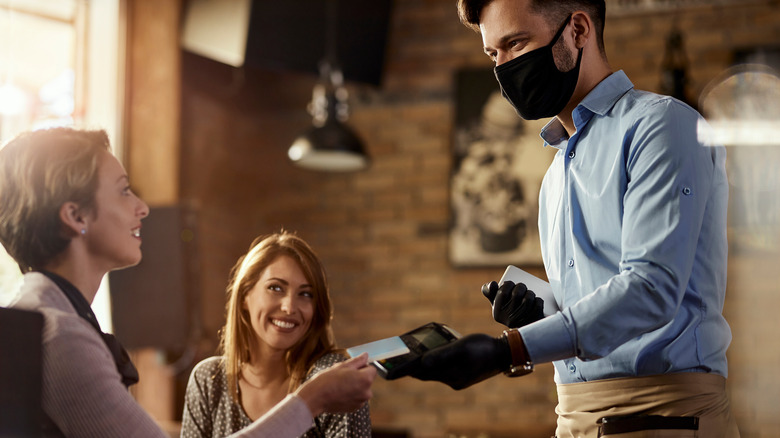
(521, 362)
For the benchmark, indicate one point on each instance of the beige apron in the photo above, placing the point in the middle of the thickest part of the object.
(582, 405)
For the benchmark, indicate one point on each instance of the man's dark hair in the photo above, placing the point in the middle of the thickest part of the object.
(554, 12)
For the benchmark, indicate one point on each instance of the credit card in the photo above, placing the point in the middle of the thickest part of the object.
(381, 349)
(541, 288)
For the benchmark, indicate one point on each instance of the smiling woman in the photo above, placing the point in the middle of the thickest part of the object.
(67, 217)
(280, 307)
(277, 336)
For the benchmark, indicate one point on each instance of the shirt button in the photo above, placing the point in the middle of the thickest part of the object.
(571, 154)
(572, 368)
(571, 262)
(686, 191)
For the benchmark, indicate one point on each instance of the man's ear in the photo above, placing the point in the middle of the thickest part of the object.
(583, 29)
(73, 219)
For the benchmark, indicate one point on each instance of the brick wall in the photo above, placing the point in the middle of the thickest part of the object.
(382, 233)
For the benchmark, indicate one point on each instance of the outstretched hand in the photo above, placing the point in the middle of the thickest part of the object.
(469, 360)
(514, 305)
(344, 387)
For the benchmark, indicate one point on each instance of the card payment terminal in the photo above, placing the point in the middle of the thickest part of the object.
(404, 360)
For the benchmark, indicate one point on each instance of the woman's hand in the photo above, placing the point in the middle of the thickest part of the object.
(343, 387)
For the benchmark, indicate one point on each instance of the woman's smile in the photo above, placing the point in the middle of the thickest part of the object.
(283, 324)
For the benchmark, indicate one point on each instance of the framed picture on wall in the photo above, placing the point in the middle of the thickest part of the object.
(498, 165)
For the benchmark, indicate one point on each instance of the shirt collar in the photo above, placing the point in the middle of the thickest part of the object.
(124, 365)
(77, 300)
(599, 101)
(554, 134)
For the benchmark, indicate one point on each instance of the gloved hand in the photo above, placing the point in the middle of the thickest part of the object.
(513, 304)
(469, 360)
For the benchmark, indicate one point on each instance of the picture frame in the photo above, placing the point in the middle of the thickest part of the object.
(499, 161)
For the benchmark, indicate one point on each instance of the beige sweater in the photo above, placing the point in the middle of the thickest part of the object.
(83, 395)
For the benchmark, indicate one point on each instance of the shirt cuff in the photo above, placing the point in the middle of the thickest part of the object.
(548, 339)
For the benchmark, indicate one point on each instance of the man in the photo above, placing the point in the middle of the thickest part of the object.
(633, 233)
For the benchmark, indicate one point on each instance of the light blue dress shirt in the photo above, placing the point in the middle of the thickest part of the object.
(633, 233)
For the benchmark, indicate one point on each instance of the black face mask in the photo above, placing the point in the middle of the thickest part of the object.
(534, 85)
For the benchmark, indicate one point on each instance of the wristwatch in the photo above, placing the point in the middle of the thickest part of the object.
(521, 363)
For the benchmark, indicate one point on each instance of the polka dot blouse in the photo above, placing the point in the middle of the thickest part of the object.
(209, 411)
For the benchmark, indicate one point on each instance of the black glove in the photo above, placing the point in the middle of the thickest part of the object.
(514, 305)
(467, 361)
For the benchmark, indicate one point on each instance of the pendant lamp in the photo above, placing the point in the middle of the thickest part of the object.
(329, 145)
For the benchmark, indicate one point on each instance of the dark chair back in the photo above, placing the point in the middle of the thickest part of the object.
(21, 370)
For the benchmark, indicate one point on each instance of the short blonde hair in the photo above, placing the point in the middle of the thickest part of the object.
(39, 172)
(237, 334)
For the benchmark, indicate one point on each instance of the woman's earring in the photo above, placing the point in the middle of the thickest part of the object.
(83, 231)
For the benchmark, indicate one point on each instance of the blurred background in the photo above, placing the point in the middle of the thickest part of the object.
(203, 100)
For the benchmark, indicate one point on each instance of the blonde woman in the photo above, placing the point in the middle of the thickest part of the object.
(277, 335)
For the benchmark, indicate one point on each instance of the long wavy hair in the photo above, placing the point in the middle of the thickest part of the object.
(237, 334)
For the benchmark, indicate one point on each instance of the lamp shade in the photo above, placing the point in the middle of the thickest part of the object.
(332, 147)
